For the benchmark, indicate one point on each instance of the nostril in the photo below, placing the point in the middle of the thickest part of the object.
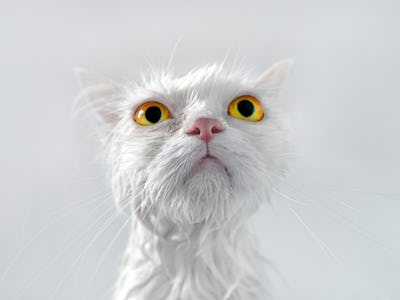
(215, 129)
(196, 131)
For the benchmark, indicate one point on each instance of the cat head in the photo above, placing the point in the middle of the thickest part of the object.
(203, 147)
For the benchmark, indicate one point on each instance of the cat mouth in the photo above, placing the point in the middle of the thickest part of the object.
(210, 163)
(208, 158)
(211, 159)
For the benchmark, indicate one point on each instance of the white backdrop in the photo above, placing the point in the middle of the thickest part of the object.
(339, 236)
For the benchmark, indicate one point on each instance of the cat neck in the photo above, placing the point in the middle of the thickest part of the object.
(191, 261)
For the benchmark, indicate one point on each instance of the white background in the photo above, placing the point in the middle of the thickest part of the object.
(342, 96)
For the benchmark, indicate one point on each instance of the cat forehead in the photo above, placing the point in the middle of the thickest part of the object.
(204, 82)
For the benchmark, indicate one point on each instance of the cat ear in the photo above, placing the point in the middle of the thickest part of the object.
(272, 79)
(102, 93)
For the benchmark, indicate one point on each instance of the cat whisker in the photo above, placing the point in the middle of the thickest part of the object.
(104, 255)
(55, 219)
(291, 199)
(324, 247)
(353, 226)
(341, 202)
(173, 51)
(342, 219)
(105, 226)
(354, 189)
(61, 253)
(356, 228)
(72, 183)
(103, 195)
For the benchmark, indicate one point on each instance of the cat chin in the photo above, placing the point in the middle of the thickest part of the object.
(204, 196)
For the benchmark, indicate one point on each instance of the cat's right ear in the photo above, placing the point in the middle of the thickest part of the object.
(271, 80)
(102, 93)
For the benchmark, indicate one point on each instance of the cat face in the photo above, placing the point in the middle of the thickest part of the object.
(204, 147)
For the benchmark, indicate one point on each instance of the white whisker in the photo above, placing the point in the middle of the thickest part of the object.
(106, 224)
(325, 248)
(60, 254)
(104, 255)
(55, 219)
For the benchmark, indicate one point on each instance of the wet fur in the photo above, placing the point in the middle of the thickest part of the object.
(189, 224)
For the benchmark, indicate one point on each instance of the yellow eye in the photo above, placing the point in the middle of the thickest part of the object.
(151, 113)
(246, 108)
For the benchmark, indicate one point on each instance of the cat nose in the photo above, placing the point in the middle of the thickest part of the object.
(205, 128)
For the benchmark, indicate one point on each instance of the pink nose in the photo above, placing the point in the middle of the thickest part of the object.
(205, 128)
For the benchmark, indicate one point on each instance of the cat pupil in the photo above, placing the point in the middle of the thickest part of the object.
(246, 108)
(153, 114)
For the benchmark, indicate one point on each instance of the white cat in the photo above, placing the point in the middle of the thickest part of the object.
(193, 157)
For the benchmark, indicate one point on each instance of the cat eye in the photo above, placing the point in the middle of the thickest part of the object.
(246, 108)
(151, 113)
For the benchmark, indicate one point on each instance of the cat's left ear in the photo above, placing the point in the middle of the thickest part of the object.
(271, 80)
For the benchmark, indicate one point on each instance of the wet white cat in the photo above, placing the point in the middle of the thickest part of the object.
(193, 157)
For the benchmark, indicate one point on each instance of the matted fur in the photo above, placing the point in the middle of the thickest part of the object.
(189, 222)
